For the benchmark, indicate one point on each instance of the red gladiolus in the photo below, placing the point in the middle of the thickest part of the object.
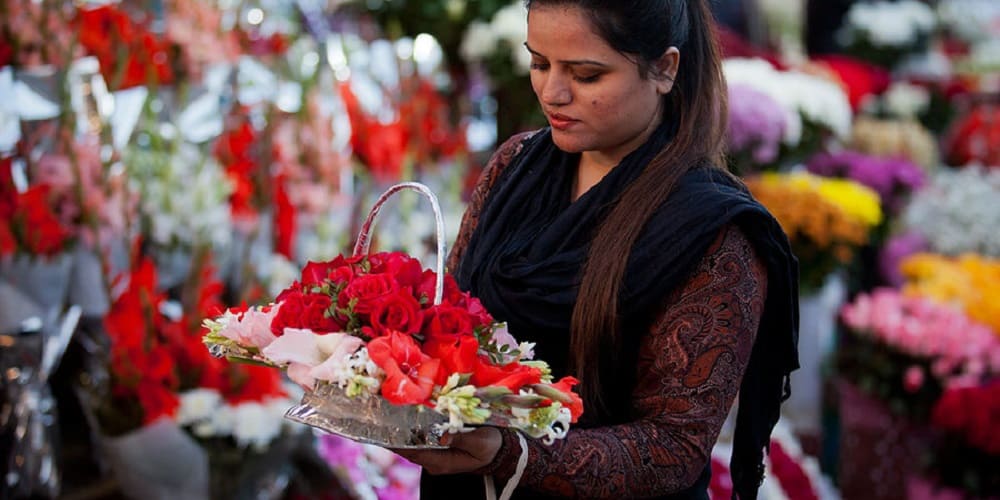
(565, 386)
(40, 229)
(460, 355)
(8, 245)
(252, 383)
(410, 374)
(284, 220)
(512, 376)
(129, 54)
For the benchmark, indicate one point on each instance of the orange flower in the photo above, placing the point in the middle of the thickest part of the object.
(970, 281)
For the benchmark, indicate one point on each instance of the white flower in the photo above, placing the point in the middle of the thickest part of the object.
(255, 425)
(479, 42)
(222, 423)
(800, 95)
(972, 20)
(958, 212)
(509, 26)
(198, 405)
(460, 405)
(282, 272)
(889, 24)
(185, 196)
(906, 100)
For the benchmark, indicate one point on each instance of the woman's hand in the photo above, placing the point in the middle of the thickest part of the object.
(466, 452)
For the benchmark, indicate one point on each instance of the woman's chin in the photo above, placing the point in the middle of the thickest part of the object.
(567, 142)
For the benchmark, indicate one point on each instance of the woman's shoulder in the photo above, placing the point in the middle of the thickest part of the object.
(507, 151)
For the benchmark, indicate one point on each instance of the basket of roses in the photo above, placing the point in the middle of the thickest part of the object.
(395, 355)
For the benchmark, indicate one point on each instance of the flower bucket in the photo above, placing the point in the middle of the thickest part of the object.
(43, 280)
(879, 450)
(817, 327)
(158, 462)
(86, 283)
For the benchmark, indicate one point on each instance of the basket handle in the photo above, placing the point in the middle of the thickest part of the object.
(364, 237)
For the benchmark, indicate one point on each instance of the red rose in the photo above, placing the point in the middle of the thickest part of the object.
(445, 322)
(399, 311)
(405, 269)
(452, 295)
(302, 310)
(368, 289)
(476, 309)
(337, 270)
(156, 401)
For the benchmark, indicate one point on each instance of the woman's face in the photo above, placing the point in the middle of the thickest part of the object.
(593, 96)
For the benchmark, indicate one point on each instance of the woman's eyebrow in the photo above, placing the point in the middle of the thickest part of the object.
(569, 62)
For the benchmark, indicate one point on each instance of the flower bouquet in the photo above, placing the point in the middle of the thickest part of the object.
(886, 32)
(395, 355)
(957, 212)
(827, 220)
(906, 350)
(967, 454)
(969, 282)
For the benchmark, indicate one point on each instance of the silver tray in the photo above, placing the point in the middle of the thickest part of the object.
(371, 420)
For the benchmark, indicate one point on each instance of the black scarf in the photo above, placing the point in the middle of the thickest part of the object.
(524, 258)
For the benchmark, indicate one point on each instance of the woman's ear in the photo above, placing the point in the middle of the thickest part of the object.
(665, 70)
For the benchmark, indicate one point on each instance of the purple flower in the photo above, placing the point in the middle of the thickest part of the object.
(756, 124)
(892, 178)
(897, 249)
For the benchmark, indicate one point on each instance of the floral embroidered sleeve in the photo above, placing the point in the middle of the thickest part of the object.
(688, 366)
(504, 154)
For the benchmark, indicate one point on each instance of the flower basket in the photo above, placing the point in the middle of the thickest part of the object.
(394, 355)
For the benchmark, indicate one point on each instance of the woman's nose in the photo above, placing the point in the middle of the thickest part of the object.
(556, 90)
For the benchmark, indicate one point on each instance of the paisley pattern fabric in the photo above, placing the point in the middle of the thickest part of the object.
(688, 374)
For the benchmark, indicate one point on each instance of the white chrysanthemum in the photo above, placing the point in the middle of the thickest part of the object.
(255, 424)
(479, 42)
(198, 405)
(889, 24)
(800, 95)
(906, 100)
(972, 20)
(509, 27)
(959, 212)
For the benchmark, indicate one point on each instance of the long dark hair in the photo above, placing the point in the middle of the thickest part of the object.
(643, 30)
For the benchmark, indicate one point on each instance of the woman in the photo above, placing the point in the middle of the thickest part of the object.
(613, 241)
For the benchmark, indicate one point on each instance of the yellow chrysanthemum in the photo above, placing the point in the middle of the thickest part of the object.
(856, 199)
(970, 281)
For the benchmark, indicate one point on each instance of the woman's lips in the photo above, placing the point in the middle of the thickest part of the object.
(561, 122)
